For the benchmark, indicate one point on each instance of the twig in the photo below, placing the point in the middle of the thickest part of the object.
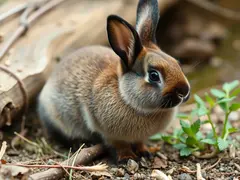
(98, 167)
(13, 11)
(74, 160)
(85, 156)
(45, 144)
(22, 29)
(206, 155)
(187, 170)
(17, 138)
(199, 173)
(3, 149)
(212, 166)
(27, 140)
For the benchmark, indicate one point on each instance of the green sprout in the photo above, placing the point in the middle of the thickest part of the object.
(189, 139)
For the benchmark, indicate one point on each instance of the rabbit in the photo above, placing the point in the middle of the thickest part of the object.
(119, 96)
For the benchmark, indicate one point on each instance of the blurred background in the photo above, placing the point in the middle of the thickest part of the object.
(204, 35)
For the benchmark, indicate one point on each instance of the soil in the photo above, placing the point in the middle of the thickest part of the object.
(166, 159)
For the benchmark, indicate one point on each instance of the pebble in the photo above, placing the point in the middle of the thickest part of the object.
(119, 172)
(132, 166)
(234, 116)
(162, 156)
(143, 163)
(126, 176)
(204, 174)
(159, 175)
(184, 176)
(218, 110)
(170, 171)
(221, 169)
(139, 176)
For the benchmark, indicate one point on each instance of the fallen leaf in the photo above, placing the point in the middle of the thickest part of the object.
(98, 174)
(159, 163)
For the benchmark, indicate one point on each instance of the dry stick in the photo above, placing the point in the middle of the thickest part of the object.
(212, 166)
(3, 149)
(199, 173)
(98, 167)
(13, 11)
(85, 156)
(206, 168)
(22, 29)
(21, 85)
(16, 139)
(18, 9)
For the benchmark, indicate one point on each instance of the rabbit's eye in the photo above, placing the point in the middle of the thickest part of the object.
(154, 76)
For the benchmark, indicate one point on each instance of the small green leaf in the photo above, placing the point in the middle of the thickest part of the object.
(233, 130)
(196, 126)
(224, 100)
(202, 111)
(199, 100)
(185, 151)
(177, 132)
(222, 144)
(199, 136)
(210, 100)
(194, 112)
(179, 146)
(186, 127)
(182, 116)
(191, 141)
(230, 86)
(223, 106)
(218, 93)
(234, 107)
(169, 139)
(235, 92)
(156, 137)
(209, 141)
(184, 124)
(182, 139)
(210, 135)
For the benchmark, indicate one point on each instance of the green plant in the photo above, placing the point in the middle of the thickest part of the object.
(189, 139)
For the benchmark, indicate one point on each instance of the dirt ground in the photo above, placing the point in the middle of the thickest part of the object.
(225, 166)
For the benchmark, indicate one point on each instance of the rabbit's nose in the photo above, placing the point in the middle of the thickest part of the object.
(183, 91)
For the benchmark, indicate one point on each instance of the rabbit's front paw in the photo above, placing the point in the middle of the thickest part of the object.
(123, 152)
(124, 155)
(142, 150)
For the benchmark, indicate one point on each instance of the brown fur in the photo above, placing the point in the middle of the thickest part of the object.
(93, 91)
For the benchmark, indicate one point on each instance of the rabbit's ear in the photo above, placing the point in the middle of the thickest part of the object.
(124, 40)
(147, 20)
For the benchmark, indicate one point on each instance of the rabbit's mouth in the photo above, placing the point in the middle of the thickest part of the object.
(171, 100)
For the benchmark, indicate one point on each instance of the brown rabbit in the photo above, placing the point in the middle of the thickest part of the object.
(121, 95)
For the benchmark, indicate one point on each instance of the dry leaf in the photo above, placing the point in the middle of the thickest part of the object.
(159, 163)
(98, 174)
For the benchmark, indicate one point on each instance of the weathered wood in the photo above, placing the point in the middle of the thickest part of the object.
(72, 24)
